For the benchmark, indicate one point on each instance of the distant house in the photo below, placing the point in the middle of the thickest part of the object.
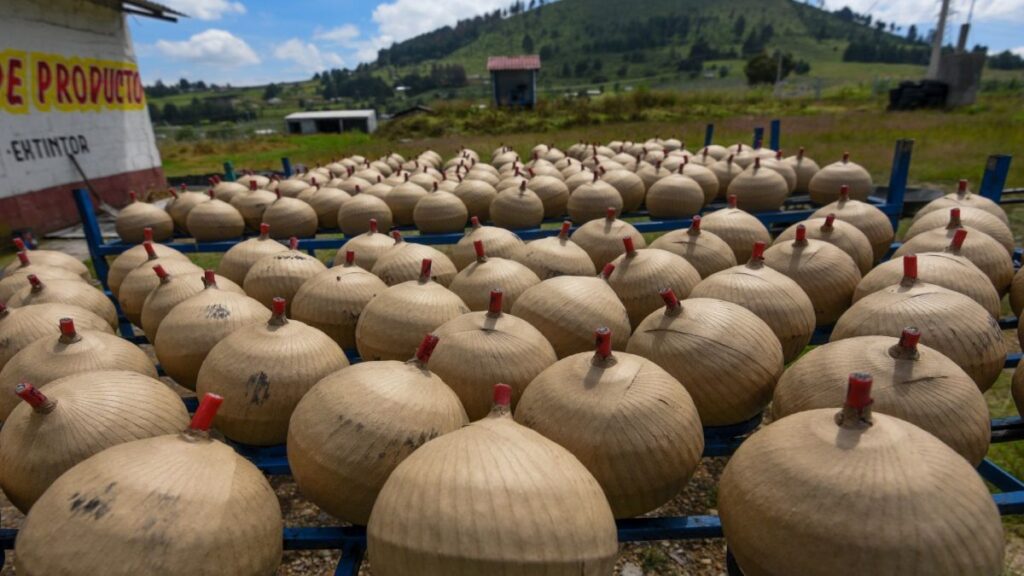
(331, 121)
(514, 79)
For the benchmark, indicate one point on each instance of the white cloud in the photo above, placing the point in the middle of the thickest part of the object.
(206, 9)
(924, 11)
(404, 19)
(1018, 51)
(212, 46)
(307, 56)
(342, 35)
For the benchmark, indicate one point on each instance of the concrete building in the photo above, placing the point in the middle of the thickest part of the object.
(331, 121)
(514, 79)
(70, 92)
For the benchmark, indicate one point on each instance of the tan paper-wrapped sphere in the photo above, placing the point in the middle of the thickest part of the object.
(51, 258)
(354, 216)
(556, 256)
(474, 282)
(440, 212)
(237, 261)
(946, 269)
(387, 409)
(1017, 293)
(703, 250)
(738, 228)
(477, 196)
(66, 352)
(517, 208)
(773, 297)
(778, 165)
(368, 246)
(703, 176)
(602, 238)
(173, 290)
(191, 329)
(981, 249)
(281, 274)
(628, 421)
(591, 201)
(252, 205)
(226, 191)
(963, 198)
(692, 340)
(824, 185)
(333, 300)
(262, 371)
(19, 327)
(842, 235)
(74, 417)
(565, 309)
(805, 169)
(109, 514)
(132, 258)
(16, 280)
(911, 381)
(402, 201)
(1017, 388)
(629, 186)
(326, 202)
(550, 511)
(968, 217)
(500, 242)
(674, 197)
(759, 188)
(802, 473)
(394, 322)
(70, 292)
(516, 353)
(638, 275)
(292, 187)
(183, 202)
(951, 323)
(142, 280)
(290, 217)
(137, 216)
(402, 263)
(867, 218)
(215, 220)
(725, 171)
(827, 274)
(553, 193)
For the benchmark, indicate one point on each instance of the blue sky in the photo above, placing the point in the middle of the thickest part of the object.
(245, 42)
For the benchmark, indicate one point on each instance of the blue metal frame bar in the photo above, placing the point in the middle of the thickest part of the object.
(229, 171)
(709, 134)
(758, 136)
(775, 134)
(286, 167)
(994, 178)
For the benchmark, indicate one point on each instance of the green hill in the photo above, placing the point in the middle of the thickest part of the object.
(588, 42)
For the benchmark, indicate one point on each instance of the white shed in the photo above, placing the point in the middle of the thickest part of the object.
(331, 121)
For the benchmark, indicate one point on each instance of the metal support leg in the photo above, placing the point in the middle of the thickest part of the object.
(898, 178)
(758, 136)
(775, 134)
(229, 171)
(992, 182)
(709, 134)
(93, 236)
(286, 165)
(351, 560)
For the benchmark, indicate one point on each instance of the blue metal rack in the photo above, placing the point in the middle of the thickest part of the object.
(351, 540)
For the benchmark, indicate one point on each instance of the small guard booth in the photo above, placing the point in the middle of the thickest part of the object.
(514, 79)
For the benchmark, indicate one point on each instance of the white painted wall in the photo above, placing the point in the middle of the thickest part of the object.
(37, 134)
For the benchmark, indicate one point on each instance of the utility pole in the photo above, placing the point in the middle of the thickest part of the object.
(933, 63)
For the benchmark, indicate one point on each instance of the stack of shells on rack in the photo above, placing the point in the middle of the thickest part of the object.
(500, 405)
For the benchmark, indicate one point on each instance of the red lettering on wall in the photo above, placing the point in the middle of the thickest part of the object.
(14, 66)
(62, 84)
(95, 84)
(79, 84)
(108, 86)
(44, 77)
(120, 86)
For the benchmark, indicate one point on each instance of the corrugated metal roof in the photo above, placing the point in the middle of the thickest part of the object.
(142, 8)
(524, 62)
(330, 114)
